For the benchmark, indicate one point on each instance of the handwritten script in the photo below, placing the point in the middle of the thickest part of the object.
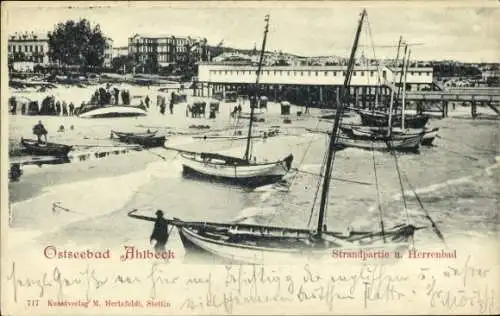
(231, 288)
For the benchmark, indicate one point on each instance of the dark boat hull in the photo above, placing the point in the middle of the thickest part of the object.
(429, 134)
(401, 143)
(157, 141)
(46, 149)
(252, 182)
(382, 120)
(145, 140)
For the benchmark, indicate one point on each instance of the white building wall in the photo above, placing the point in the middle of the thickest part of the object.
(29, 48)
(305, 75)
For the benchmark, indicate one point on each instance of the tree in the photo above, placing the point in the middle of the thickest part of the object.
(121, 63)
(77, 43)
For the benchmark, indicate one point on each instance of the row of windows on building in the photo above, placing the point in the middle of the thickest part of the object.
(27, 48)
(160, 49)
(160, 41)
(35, 59)
(309, 73)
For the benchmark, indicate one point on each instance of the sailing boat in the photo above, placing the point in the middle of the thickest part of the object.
(379, 139)
(410, 135)
(238, 170)
(381, 119)
(251, 243)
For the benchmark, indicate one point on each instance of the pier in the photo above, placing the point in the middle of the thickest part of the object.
(474, 96)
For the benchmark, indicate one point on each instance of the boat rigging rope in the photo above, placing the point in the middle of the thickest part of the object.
(334, 154)
(318, 186)
(403, 196)
(378, 194)
(435, 228)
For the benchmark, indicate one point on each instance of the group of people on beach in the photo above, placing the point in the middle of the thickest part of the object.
(49, 106)
(110, 96)
(161, 102)
(52, 107)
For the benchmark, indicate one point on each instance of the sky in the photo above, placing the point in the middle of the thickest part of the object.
(451, 30)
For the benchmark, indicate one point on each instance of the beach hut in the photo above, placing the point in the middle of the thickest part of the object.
(179, 97)
(23, 105)
(263, 102)
(285, 107)
(214, 105)
(198, 108)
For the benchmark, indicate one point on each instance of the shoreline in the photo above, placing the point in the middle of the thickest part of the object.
(72, 172)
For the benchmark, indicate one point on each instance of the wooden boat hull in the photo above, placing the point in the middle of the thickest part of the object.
(147, 140)
(429, 134)
(382, 119)
(253, 244)
(146, 134)
(351, 138)
(45, 149)
(114, 111)
(235, 172)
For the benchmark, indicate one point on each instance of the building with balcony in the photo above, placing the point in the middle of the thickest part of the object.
(28, 47)
(166, 49)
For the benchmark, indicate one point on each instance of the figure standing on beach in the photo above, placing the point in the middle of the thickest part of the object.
(108, 97)
(58, 108)
(171, 106)
(160, 232)
(162, 106)
(64, 109)
(116, 93)
(147, 101)
(40, 130)
(13, 105)
(71, 108)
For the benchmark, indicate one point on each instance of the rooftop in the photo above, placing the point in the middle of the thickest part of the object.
(143, 35)
(27, 36)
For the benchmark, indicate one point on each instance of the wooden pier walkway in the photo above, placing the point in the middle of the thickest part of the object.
(474, 96)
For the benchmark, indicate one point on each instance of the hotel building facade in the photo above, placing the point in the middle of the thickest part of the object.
(168, 49)
(28, 48)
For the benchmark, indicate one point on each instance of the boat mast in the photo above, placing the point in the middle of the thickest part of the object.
(335, 129)
(389, 123)
(402, 71)
(404, 91)
(397, 58)
(397, 55)
(257, 90)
